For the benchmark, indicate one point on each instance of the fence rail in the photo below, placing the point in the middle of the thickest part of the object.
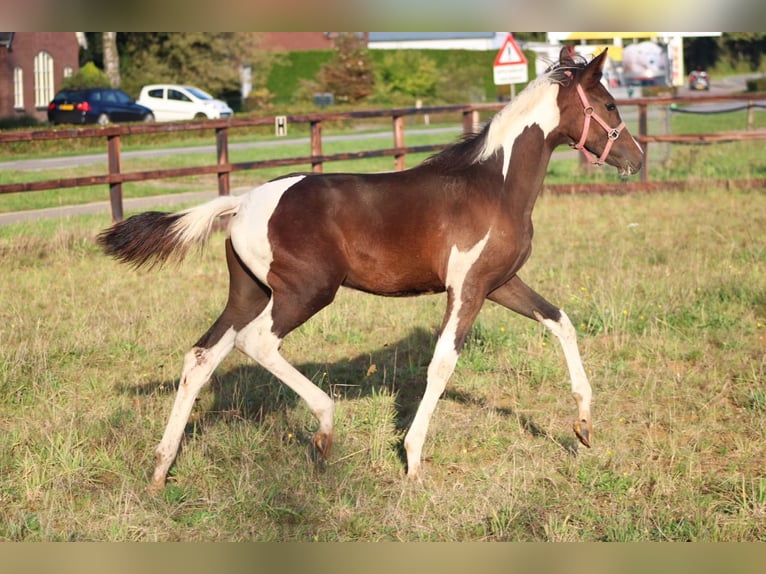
(470, 114)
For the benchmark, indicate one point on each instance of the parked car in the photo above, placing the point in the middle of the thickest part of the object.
(175, 102)
(699, 80)
(96, 106)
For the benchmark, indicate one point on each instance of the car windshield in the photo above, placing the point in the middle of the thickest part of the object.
(199, 93)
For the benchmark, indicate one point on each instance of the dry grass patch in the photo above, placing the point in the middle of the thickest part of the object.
(669, 297)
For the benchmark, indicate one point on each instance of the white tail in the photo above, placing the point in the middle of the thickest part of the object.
(195, 224)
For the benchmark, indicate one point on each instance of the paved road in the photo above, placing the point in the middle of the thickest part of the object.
(70, 161)
(142, 203)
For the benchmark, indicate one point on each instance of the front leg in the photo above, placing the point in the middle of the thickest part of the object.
(517, 296)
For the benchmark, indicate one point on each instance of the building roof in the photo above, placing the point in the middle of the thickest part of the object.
(410, 36)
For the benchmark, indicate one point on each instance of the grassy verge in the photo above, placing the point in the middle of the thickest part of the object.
(669, 297)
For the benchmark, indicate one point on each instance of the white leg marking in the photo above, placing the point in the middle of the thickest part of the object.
(581, 390)
(445, 355)
(199, 365)
(250, 228)
(259, 342)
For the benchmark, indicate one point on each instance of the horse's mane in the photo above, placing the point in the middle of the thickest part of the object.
(479, 146)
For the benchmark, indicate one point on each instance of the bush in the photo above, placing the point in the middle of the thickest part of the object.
(405, 74)
(89, 76)
(15, 122)
(757, 84)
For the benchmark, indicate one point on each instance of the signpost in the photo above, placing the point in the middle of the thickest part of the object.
(510, 65)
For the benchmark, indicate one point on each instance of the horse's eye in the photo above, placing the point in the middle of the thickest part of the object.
(611, 107)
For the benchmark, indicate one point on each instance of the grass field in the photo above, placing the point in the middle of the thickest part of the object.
(668, 293)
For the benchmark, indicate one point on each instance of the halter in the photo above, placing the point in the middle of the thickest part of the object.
(612, 133)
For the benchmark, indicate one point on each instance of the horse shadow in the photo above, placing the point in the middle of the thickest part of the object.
(248, 392)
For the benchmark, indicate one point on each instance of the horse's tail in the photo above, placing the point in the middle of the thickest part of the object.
(154, 237)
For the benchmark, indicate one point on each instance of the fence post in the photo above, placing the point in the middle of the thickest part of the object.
(399, 142)
(316, 146)
(115, 187)
(222, 149)
(750, 116)
(642, 131)
(470, 121)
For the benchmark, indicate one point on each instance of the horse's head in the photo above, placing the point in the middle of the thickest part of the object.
(589, 117)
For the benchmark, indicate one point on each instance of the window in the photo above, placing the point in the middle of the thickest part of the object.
(122, 98)
(18, 88)
(157, 93)
(178, 96)
(43, 79)
(68, 71)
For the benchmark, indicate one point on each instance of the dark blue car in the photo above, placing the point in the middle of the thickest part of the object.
(96, 106)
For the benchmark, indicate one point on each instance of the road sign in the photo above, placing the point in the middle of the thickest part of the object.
(510, 64)
(280, 125)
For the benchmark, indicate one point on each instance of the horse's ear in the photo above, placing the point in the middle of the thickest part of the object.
(566, 57)
(594, 70)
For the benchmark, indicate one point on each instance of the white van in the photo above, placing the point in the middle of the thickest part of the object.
(170, 102)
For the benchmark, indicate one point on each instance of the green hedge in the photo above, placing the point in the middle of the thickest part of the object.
(465, 75)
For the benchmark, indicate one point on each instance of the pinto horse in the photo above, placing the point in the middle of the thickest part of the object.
(458, 223)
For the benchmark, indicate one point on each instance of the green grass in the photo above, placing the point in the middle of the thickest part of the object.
(669, 297)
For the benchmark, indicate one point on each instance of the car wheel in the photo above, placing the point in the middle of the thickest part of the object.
(149, 118)
(102, 120)
(200, 116)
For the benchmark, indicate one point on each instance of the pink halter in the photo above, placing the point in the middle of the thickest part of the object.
(612, 133)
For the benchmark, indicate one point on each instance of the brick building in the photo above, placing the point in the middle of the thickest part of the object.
(32, 67)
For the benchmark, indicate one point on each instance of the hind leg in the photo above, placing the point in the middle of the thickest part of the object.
(247, 298)
(199, 364)
(517, 296)
(288, 308)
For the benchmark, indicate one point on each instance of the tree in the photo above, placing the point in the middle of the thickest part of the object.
(209, 60)
(89, 76)
(406, 73)
(745, 46)
(111, 58)
(349, 74)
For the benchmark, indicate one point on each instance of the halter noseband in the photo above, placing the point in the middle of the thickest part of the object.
(612, 133)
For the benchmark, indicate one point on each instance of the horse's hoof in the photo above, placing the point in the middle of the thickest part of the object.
(414, 476)
(155, 487)
(584, 431)
(323, 444)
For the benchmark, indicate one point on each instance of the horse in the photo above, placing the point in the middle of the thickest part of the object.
(459, 223)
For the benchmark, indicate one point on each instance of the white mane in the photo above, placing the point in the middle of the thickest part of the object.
(536, 104)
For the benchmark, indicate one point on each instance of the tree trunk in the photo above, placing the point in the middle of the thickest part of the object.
(111, 58)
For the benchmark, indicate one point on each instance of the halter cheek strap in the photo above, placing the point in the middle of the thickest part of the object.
(612, 133)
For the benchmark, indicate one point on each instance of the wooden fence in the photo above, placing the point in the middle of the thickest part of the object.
(470, 115)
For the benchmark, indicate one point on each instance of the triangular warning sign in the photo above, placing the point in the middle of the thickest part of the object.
(510, 53)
